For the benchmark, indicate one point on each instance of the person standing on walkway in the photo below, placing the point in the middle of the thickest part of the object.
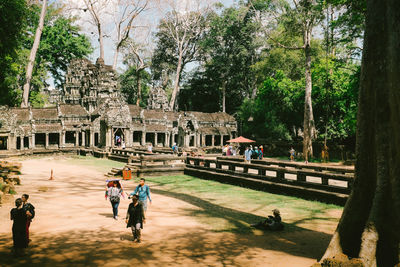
(19, 216)
(28, 207)
(114, 193)
(247, 155)
(143, 192)
(292, 153)
(135, 218)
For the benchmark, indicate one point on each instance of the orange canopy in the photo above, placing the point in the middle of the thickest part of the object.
(240, 139)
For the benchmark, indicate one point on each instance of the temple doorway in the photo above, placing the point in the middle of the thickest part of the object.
(118, 137)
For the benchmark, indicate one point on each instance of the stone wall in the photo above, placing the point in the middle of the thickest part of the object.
(9, 172)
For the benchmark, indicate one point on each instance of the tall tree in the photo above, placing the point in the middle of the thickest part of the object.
(98, 10)
(32, 56)
(137, 58)
(182, 29)
(228, 51)
(60, 43)
(370, 223)
(126, 12)
(299, 18)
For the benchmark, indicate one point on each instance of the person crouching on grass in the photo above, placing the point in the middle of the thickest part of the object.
(135, 218)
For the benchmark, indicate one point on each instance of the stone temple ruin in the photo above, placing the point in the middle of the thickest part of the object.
(91, 112)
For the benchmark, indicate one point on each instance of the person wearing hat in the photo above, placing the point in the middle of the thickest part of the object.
(273, 223)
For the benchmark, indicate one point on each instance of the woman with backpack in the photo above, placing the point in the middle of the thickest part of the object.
(114, 193)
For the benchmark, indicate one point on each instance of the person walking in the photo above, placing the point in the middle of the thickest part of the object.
(143, 192)
(19, 216)
(28, 207)
(114, 193)
(135, 218)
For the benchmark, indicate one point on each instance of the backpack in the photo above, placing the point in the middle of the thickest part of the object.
(115, 198)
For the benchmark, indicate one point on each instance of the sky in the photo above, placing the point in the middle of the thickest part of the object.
(147, 21)
(149, 18)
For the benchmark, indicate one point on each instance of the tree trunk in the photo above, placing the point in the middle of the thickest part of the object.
(309, 126)
(116, 53)
(101, 43)
(370, 223)
(223, 96)
(32, 56)
(176, 85)
(139, 86)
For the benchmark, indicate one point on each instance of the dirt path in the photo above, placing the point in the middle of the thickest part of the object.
(74, 227)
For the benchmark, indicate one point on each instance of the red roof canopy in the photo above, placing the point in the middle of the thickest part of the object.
(240, 139)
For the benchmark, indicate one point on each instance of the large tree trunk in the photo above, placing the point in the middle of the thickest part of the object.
(370, 225)
(139, 86)
(32, 56)
(176, 85)
(309, 125)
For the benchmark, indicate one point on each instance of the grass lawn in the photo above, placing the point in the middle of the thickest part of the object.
(103, 165)
(231, 208)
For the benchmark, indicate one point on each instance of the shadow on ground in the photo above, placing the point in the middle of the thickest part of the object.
(181, 245)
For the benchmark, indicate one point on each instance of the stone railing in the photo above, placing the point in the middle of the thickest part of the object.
(156, 164)
(295, 165)
(311, 178)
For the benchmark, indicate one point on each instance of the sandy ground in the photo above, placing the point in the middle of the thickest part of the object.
(74, 227)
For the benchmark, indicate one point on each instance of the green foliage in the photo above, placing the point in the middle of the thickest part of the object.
(335, 94)
(229, 50)
(350, 24)
(12, 192)
(276, 111)
(129, 86)
(38, 99)
(60, 42)
(12, 25)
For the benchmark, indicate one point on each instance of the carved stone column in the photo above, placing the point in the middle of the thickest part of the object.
(143, 143)
(83, 138)
(91, 138)
(60, 139)
(47, 141)
(76, 138)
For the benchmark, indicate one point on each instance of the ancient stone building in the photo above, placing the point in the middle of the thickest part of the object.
(93, 113)
(158, 99)
(86, 84)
